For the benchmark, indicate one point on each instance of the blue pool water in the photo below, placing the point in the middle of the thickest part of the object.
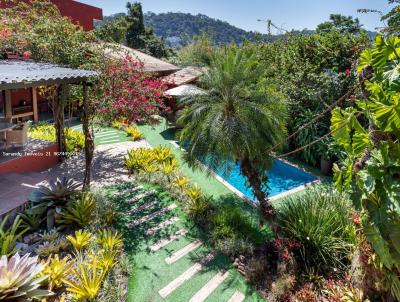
(281, 178)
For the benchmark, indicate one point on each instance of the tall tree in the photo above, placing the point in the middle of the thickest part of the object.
(393, 19)
(239, 118)
(136, 30)
(341, 23)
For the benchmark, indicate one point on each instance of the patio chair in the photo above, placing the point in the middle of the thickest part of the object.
(17, 136)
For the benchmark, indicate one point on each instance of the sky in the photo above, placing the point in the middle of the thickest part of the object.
(287, 14)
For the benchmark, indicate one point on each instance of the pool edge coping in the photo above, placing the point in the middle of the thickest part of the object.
(243, 196)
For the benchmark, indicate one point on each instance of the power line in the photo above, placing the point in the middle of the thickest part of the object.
(315, 141)
(317, 117)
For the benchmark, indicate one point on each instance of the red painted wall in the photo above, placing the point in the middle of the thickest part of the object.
(79, 13)
(35, 163)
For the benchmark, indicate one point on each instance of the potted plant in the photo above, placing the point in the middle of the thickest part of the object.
(329, 153)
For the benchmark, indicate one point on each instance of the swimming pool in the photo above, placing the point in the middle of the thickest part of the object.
(281, 178)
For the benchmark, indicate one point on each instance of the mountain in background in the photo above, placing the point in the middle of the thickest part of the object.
(179, 29)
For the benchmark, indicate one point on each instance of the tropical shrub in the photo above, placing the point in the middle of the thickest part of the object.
(369, 134)
(57, 270)
(75, 140)
(198, 208)
(230, 224)
(80, 211)
(81, 239)
(108, 240)
(49, 248)
(87, 278)
(9, 236)
(319, 221)
(20, 278)
(134, 133)
(129, 92)
(56, 192)
(149, 160)
(33, 218)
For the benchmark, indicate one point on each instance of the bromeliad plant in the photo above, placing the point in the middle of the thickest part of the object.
(53, 197)
(80, 211)
(370, 133)
(9, 236)
(81, 239)
(20, 278)
(134, 133)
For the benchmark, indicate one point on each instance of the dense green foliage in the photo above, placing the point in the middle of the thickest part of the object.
(319, 220)
(313, 72)
(393, 19)
(341, 23)
(371, 169)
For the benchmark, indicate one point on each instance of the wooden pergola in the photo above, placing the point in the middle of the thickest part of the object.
(20, 74)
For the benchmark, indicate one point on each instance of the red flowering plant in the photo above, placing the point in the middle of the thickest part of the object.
(130, 93)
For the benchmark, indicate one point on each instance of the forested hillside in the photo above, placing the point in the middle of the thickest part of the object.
(180, 28)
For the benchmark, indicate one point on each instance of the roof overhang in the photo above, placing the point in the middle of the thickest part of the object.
(185, 91)
(16, 74)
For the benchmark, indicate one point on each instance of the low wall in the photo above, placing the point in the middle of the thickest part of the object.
(36, 161)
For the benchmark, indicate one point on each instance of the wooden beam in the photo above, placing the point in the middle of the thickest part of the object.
(8, 104)
(35, 105)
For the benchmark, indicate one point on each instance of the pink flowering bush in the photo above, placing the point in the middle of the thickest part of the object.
(130, 93)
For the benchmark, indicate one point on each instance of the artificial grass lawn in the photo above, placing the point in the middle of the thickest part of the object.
(151, 273)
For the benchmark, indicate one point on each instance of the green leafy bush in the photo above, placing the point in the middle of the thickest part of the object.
(231, 223)
(320, 221)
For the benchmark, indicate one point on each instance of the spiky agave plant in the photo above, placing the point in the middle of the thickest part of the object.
(19, 278)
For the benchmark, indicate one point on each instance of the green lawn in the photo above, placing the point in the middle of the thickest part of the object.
(106, 135)
(152, 273)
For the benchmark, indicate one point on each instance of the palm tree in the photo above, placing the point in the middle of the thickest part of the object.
(238, 120)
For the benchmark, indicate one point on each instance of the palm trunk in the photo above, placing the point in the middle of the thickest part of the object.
(256, 180)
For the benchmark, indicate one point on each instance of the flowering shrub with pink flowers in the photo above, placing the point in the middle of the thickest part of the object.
(130, 93)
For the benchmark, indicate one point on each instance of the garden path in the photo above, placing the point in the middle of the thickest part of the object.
(172, 259)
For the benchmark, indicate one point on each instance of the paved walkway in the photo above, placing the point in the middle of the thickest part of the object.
(172, 259)
(106, 136)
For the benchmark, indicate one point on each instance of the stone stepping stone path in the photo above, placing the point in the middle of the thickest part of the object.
(128, 191)
(209, 287)
(104, 136)
(183, 251)
(143, 207)
(237, 297)
(197, 280)
(164, 242)
(161, 226)
(189, 273)
(141, 196)
(152, 216)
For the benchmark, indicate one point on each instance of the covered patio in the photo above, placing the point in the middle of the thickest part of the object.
(17, 77)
